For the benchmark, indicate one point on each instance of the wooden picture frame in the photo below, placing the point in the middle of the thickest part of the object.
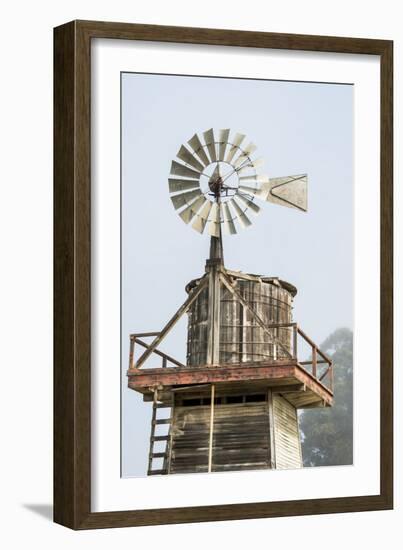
(72, 272)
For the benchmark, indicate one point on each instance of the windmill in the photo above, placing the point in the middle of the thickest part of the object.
(233, 405)
(219, 182)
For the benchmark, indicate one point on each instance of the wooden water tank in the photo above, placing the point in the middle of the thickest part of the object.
(241, 339)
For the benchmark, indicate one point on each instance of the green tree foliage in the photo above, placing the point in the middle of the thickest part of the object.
(327, 434)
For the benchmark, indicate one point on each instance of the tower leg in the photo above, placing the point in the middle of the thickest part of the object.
(210, 448)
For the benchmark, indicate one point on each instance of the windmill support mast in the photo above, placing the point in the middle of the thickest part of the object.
(214, 266)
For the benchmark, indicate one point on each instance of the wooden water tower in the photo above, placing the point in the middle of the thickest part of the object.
(233, 405)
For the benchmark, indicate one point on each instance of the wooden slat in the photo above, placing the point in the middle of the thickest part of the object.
(286, 434)
(235, 445)
(253, 313)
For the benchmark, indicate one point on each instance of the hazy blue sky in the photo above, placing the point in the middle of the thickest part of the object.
(298, 128)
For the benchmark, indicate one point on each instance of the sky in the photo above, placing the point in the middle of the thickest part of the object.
(298, 128)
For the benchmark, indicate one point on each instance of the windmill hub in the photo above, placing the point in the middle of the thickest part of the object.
(222, 186)
(216, 185)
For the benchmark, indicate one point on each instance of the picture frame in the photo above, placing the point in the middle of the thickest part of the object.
(72, 273)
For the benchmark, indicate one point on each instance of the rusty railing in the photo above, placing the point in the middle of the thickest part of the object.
(320, 366)
(318, 357)
(165, 358)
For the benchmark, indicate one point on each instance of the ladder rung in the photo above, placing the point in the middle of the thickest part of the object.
(156, 472)
(162, 421)
(160, 438)
(158, 455)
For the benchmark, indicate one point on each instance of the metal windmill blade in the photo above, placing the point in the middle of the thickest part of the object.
(198, 149)
(245, 154)
(178, 169)
(215, 220)
(252, 184)
(240, 214)
(188, 213)
(201, 218)
(223, 136)
(187, 157)
(229, 224)
(250, 165)
(209, 139)
(253, 178)
(184, 199)
(249, 203)
(249, 190)
(176, 184)
(238, 139)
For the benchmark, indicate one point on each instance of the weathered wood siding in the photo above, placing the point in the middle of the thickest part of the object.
(287, 445)
(241, 339)
(190, 440)
(246, 435)
(241, 438)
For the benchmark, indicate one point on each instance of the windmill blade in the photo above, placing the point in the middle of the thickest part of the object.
(216, 213)
(223, 136)
(176, 185)
(209, 140)
(197, 147)
(185, 155)
(245, 155)
(241, 216)
(228, 220)
(250, 190)
(238, 139)
(249, 203)
(214, 229)
(215, 220)
(253, 164)
(254, 178)
(290, 191)
(184, 198)
(190, 211)
(178, 169)
(202, 217)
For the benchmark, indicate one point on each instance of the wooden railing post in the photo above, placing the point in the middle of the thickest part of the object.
(314, 361)
(295, 341)
(331, 378)
(210, 446)
(131, 354)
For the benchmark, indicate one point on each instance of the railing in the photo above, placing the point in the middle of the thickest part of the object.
(318, 357)
(320, 366)
(165, 358)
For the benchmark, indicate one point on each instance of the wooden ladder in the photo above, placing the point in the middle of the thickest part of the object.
(155, 421)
